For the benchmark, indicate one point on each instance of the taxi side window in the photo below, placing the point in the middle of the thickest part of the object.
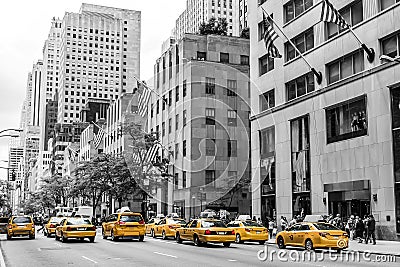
(233, 225)
(305, 227)
(62, 222)
(161, 222)
(194, 224)
(114, 217)
(151, 221)
(297, 228)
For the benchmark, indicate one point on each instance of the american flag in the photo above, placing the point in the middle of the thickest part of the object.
(330, 14)
(144, 98)
(98, 137)
(270, 36)
(152, 153)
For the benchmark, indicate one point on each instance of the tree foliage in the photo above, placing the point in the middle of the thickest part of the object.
(245, 33)
(214, 26)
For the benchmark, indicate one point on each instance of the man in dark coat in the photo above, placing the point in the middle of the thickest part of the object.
(371, 230)
(359, 229)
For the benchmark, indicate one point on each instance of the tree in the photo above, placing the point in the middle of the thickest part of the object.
(245, 33)
(214, 26)
(56, 187)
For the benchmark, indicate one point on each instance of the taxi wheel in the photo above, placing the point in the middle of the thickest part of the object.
(9, 237)
(197, 241)
(153, 235)
(56, 237)
(281, 243)
(48, 235)
(261, 242)
(104, 234)
(45, 233)
(63, 238)
(31, 236)
(308, 245)
(164, 237)
(238, 239)
(141, 238)
(91, 239)
(227, 245)
(113, 237)
(178, 238)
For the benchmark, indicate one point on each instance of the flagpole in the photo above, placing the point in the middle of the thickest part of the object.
(317, 74)
(370, 51)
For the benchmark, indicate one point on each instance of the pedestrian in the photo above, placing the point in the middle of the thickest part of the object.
(293, 221)
(359, 229)
(338, 222)
(284, 223)
(365, 222)
(371, 230)
(271, 226)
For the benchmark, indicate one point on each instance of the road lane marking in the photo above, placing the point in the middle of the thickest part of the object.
(167, 255)
(2, 262)
(108, 241)
(86, 258)
(58, 244)
(232, 260)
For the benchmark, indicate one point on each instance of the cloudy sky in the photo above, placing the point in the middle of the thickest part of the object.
(24, 26)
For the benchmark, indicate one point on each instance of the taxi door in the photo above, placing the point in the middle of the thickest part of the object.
(185, 233)
(159, 226)
(303, 234)
(291, 234)
(193, 227)
(298, 235)
(111, 222)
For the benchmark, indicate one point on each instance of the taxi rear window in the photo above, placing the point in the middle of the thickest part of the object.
(177, 221)
(249, 223)
(325, 226)
(207, 224)
(22, 220)
(130, 218)
(78, 221)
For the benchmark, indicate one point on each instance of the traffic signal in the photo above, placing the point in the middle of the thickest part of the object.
(13, 175)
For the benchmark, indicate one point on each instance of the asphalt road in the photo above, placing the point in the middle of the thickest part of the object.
(156, 252)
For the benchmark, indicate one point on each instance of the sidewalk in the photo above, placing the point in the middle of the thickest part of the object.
(382, 247)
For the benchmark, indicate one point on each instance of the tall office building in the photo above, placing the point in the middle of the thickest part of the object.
(199, 11)
(333, 147)
(15, 153)
(37, 88)
(200, 110)
(243, 11)
(99, 55)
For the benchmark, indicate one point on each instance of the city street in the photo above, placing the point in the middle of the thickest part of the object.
(153, 252)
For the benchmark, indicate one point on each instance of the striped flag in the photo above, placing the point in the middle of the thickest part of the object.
(144, 98)
(330, 14)
(152, 152)
(98, 137)
(269, 37)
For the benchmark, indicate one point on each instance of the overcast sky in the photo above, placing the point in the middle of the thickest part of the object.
(24, 26)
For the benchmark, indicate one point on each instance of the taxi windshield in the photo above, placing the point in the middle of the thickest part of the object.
(251, 223)
(208, 224)
(325, 226)
(78, 221)
(22, 220)
(130, 218)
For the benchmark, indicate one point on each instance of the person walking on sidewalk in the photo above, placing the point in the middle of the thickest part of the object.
(284, 223)
(359, 229)
(371, 230)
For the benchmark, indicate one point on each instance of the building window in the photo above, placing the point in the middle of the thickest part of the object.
(395, 99)
(267, 163)
(300, 86)
(169, 125)
(267, 100)
(267, 142)
(346, 120)
(224, 57)
(210, 177)
(176, 181)
(201, 55)
(295, 8)
(390, 45)
(232, 148)
(210, 86)
(176, 121)
(352, 14)
(265, 64)
(210, 116)
(345, 66)
(177, 94)
(210, 147)
(163, 129)
(301, 175)
(184, 148)
(184, 88)
(176, 150)
(158, 106)
(387, 3)
(184, 179)
(232, 118)
(303, 42)
(231, 87)
(170, 98)
(244, 60)
(184, 118)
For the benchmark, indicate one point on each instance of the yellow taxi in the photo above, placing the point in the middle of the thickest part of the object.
(249, 231)
(167, 227)
(125, 225)
(150, 225)
(50, 226)
(312, 235)
(20, 226)
(203, 231)
(75, 227)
